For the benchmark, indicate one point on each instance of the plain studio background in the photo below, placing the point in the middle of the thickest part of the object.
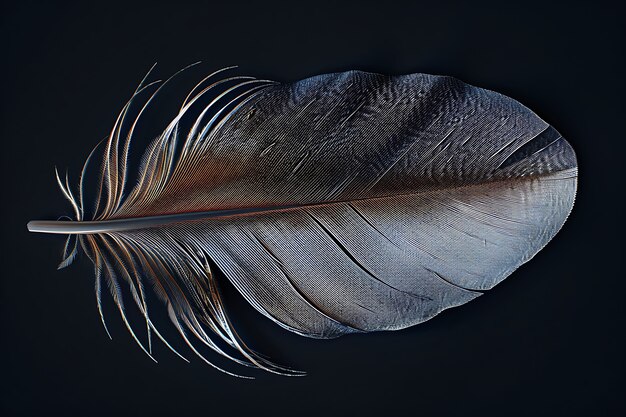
(549, 340)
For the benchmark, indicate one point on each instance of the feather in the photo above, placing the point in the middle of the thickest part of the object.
(343, 203)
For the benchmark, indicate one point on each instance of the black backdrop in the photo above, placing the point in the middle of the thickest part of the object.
(547, 341)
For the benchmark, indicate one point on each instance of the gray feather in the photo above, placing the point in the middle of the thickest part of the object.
(342, 203)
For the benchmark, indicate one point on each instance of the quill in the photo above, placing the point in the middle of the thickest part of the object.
(342, 203)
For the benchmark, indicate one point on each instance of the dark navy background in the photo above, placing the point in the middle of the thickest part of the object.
(550, 340)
